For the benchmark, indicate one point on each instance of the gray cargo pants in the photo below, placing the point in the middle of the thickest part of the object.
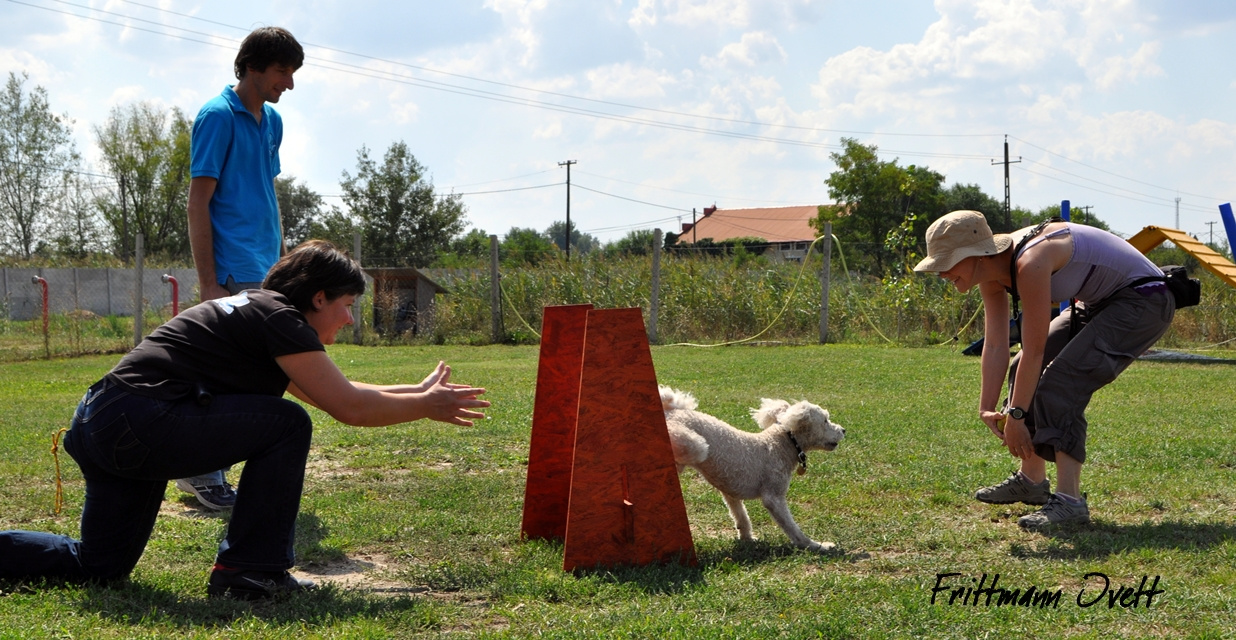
(1111, 334)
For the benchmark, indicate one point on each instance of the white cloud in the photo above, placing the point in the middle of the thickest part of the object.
(1115, 70)
(755, 48)
(628, 82)
(692, 13)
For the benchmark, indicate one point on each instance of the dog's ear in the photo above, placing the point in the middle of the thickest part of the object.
(769, 412)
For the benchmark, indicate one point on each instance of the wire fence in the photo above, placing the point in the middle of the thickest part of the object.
(700, 299)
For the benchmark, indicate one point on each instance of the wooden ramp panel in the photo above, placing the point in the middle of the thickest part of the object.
(548, 487)
(626, 505)
(1150, 237)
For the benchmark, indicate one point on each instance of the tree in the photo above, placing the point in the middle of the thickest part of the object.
(581, 243)
(638, 242)
(1026, 218)
(402, 222)
(527, 246)
(147, 151)
(971, 198)
(874, 198)
(77, 230)
(299, 207)
(36, 148)
(337, 227)
(472, 246)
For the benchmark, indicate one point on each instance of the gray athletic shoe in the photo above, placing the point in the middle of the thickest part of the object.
(1015, 489)
(1057, 511)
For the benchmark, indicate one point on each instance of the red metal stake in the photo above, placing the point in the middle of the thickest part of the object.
(46, 336)
(175, 293)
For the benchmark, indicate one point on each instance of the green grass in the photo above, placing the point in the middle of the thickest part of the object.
(434, 512)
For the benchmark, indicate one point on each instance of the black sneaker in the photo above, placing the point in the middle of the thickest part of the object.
(216, 497)
(253, 585)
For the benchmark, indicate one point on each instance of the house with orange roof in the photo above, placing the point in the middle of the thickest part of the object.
(786, 229)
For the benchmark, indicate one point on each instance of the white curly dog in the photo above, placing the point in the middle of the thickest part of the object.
(744, 465)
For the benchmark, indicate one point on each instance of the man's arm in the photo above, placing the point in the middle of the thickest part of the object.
(201, 238)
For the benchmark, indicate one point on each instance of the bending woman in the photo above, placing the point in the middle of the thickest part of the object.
(1124, 308)
(205, 391)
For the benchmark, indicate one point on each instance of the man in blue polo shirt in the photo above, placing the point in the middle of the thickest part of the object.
(234, 226)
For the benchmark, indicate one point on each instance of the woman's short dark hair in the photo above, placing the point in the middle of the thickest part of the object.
(313, 266)
(266, 46)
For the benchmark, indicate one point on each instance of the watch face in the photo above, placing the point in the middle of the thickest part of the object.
(1017, 413)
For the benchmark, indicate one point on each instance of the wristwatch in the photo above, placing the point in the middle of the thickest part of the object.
(1017, 413)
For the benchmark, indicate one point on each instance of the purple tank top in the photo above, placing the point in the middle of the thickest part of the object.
(1102, 264)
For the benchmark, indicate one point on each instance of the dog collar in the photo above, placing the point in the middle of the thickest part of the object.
(802, 456)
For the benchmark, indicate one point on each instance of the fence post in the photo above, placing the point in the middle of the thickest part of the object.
(495, 291)
(826, 252)
(356, 325)
(654, 304)
(138, 319)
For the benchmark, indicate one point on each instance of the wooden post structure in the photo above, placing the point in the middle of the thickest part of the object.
(624, 503)
(554, 414)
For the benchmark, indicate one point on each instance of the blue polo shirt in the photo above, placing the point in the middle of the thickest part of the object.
(229, 145)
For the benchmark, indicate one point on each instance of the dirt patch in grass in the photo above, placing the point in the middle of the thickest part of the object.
(365, 572)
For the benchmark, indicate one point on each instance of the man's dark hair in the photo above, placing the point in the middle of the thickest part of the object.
(266, 46)
(313, 266)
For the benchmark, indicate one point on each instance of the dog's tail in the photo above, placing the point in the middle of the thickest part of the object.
(673, 399)
(689, 447)
(769, 412)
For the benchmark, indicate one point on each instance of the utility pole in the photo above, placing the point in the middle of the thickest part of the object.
(567, 243)
(1177, 212)
(1085, 214)
(1211, 224)
(1008, 219)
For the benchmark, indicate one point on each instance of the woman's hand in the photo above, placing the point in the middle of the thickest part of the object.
(1017, 439)
(994, 421)
(451, 403)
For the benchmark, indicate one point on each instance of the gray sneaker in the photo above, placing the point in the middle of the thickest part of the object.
(1015, 489)
(1057, 511)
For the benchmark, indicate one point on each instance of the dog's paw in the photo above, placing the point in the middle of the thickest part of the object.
(822, 547)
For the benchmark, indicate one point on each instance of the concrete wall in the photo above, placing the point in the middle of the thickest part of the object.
(103, 292)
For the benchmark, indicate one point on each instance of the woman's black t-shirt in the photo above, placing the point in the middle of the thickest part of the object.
(223, 346)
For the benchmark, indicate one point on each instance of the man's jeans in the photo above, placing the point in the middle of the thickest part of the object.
(129, 446)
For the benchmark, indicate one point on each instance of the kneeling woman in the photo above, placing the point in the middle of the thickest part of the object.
(205, 391)
(1125, 307)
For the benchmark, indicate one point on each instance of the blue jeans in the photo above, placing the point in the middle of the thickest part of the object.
(219, 476)
(129, 446)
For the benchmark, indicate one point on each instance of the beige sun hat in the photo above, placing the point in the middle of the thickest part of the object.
(957, 236)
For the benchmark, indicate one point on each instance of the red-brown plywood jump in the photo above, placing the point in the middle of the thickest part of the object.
(626, 505)
(548, 487)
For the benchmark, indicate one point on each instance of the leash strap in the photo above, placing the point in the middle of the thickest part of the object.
(55, 449)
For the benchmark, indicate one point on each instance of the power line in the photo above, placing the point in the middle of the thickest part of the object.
(710, 196)
(360, 71)
(650, 204)
(575, 97)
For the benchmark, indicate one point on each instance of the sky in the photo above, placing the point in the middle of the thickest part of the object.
(670, 106)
